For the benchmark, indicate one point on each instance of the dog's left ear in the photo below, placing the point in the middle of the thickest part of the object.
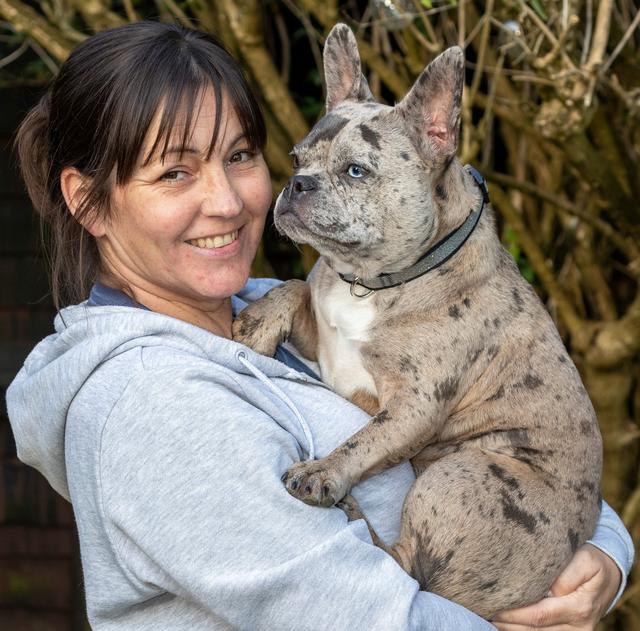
(342, 68)
(431, 110)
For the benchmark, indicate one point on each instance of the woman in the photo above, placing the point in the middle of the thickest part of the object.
(169, 438)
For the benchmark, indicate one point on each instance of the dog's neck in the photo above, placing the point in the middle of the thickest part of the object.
(448, 240)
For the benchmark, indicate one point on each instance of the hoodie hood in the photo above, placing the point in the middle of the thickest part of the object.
(85, 336)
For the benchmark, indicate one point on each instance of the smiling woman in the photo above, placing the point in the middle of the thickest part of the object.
(182, 232)
(141, 107)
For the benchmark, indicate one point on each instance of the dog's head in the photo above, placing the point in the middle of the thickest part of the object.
(367, 184)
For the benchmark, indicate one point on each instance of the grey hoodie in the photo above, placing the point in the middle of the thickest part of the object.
(170, 443)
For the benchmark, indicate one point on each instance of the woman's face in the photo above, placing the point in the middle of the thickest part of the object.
(187, 228)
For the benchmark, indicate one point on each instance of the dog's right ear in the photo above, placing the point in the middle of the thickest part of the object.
(342, 69)
(431, 110)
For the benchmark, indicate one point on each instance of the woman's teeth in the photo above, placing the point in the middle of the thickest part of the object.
(215, 242)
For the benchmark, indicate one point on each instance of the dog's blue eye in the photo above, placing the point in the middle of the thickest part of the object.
(355, 171)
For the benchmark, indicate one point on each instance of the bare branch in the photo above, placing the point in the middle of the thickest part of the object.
(600, 34)
(244, 19)
(625, 38)
(25, 20)
(622, 243)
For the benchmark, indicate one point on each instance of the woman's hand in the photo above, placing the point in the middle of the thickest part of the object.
(579, 597)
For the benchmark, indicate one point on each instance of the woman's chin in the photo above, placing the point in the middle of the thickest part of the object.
(223, 288)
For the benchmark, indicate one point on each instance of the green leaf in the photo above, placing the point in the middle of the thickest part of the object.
(427, 4)
(536, 5)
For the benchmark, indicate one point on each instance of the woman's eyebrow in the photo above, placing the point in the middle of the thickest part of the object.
(180, 150)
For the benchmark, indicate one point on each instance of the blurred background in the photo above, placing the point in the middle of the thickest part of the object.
(550, 115)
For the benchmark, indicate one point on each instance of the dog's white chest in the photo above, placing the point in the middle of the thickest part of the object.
(344, 323)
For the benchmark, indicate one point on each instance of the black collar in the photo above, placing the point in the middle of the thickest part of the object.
(435, 256)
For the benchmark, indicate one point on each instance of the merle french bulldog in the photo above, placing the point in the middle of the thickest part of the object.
(416, 313)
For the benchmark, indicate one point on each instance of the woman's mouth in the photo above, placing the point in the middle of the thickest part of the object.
(214, 242)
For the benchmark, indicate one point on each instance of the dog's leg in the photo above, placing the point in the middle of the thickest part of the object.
(449, 523)
(352, 510)
(396, 433)
(283, 313)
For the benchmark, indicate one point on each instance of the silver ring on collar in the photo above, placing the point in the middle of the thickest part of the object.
(356, 283)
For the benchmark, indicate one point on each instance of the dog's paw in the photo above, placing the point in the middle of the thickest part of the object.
(315, 482)
(350, 507)
(254, 330)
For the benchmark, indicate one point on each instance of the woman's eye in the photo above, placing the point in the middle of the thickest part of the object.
(174, 176)
(355, 171)
(241, 156)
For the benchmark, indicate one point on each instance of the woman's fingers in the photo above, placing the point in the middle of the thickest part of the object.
(579, 597)
(549, 613)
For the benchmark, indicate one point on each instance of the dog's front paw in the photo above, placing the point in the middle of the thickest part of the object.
(315, 482)
(254, 330)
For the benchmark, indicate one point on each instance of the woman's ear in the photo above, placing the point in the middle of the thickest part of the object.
(74, 186)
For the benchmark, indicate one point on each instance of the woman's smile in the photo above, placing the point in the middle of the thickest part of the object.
(218, 245)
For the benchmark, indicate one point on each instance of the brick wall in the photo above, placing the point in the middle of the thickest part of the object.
(40, 579)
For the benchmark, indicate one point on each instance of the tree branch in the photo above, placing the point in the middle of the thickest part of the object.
(244, 19)
(622, 243)
(25, 20)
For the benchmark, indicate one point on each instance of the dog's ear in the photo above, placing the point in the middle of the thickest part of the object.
(342, 69)
(431, 109)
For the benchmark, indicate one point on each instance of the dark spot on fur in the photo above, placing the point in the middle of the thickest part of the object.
(498, 394)
(405, 156)
(562, 359)
(443, 271)
(249, 324)
(406, 365)
(466, 302)
(438, 359)
(429, 567)
(501, 474)
(441, 193)
(381, 417)
(352, 445)
(496, 322)
(492, 351)
(370, 136)
(446, 389)
(532, 381)
(326, 129)
(574, 539)
(586, 427)
(472, 357)
(558, 397)
(517, 299)
(514, 513)
(490, 586)
(543, 518)
(454, 312)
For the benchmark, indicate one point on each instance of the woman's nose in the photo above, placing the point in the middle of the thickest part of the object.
(219, 195)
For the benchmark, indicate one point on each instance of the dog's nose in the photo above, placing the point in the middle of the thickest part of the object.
(300, 184)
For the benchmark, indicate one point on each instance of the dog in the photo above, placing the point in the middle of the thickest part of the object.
(416, 313)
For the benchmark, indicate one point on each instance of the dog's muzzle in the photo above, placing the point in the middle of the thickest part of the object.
(299, 185)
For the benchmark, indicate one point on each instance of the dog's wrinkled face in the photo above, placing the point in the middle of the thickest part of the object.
(367, 187)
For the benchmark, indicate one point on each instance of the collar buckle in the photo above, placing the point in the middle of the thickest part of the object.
(356, 283)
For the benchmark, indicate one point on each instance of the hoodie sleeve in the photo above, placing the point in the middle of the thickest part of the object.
(192, 498)
(613, 539)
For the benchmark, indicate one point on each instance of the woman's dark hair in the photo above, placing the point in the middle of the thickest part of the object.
(95, 117)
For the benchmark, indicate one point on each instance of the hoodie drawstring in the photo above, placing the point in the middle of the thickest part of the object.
(258, 374)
